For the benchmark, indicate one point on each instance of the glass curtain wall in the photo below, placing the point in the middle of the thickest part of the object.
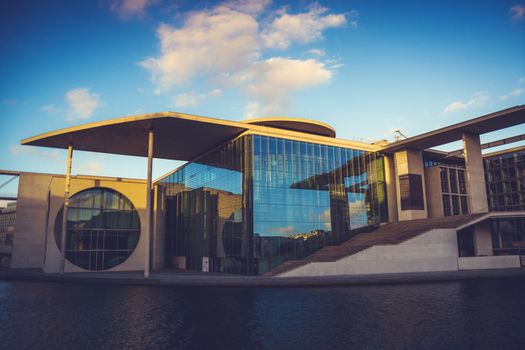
(258, 201)
(207, 209)
(505, 178)
(307, 196)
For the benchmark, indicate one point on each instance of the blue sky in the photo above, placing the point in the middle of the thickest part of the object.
(365, 67)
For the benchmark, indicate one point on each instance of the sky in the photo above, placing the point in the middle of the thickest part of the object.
(367, 68)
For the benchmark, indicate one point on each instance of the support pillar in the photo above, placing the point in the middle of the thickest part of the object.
(64, 211)
(475, 174)
(148, 205)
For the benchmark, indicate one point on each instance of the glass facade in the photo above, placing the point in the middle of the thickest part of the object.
(306, 196)
(103, 229)
(505, 180)
(508, 236)
(207, 211)
(453, 190)
(259, 201)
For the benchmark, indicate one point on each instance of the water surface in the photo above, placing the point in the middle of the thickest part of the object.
(483, 314)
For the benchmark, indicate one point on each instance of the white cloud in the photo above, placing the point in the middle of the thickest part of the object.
(190, 99)
(82, 103)
(252, 7)
(186, 100)
(131, 8)
(90, 168)
(35, 152)
(515, 92)
(521, 80)
(317, 52)
(222, 47)
(272, 80)
(303, 27)
(517, 12)
(214, 43)
(51, 109)
(476, 100)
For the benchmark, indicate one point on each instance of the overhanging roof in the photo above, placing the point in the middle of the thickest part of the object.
(180, 136)
(177, 136)
(481, 125)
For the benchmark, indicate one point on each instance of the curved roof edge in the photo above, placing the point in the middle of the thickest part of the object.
(295, 124)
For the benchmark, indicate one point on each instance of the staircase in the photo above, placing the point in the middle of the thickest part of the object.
(391, 233)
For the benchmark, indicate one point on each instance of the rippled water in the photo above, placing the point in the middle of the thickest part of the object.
(487, 314)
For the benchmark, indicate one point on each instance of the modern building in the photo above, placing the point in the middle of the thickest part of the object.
(278, 196)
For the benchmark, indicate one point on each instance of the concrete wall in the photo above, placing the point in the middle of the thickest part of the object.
(435, 250)
(409, 162)
(483, 239)
(41, 196)
(31, 220)
(433, 192)
(489, 262)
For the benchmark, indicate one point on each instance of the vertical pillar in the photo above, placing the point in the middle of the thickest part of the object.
(475, 174)
(148, 205)
(390, 180)
(64, 211)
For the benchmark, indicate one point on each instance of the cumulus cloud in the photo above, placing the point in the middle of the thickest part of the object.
(517, 12)
(217, 42)
(303, 27)
(81, 103)
(90, 167)
(271, 81)
(35, 152)
(476, 100)
(131, 8)
(515, 92)
(190, 99)
(223, 46)
(317, 52)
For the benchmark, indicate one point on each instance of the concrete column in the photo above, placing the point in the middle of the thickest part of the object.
(475, 174)
(148, 205)
(390, 181)
(406, 162)
(483, 239)
(64, 211)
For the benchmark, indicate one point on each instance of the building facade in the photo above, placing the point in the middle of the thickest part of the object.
(259, 201)
(259, 195)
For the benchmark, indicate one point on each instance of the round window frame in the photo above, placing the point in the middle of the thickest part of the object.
(58, 227)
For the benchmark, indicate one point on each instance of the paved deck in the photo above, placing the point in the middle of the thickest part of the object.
(200, 279)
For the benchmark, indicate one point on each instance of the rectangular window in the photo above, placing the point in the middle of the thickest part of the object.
(455, 205)
(411, 190)
(446, 205)
(444, 180)
(462, 182)
(464, 205)
(453, 181)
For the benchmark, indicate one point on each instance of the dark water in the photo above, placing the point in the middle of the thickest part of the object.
(488, 314)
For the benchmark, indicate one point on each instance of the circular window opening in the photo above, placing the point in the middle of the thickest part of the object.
(103, 229)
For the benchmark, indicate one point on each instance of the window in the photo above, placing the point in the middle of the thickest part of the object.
(411, 190)
(103, 229)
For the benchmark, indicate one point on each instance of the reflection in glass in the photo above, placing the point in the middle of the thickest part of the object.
(103, 229)
(259, 201)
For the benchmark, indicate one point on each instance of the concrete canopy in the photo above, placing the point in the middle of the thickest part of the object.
(481, 125)
(177, 136)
